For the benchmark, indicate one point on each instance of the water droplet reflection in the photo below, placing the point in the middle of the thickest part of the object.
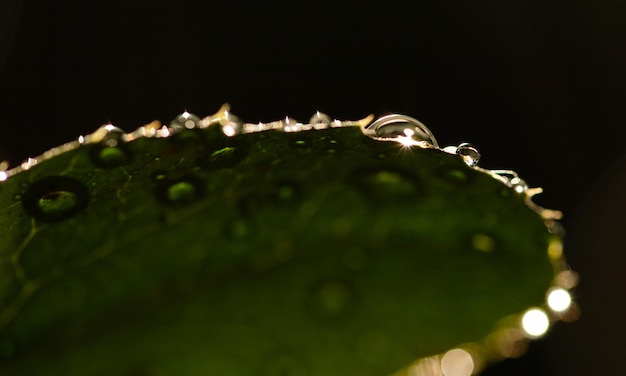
(55, 198)
(457, 362)
(231, 125)
(559, 300)
(184, 121)
(401, 128)
(110, 150)
(535, 322)
(469, 153)
(320, 120)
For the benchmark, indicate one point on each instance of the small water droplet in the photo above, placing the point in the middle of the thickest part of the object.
(331, 300)
(185, 121)
(401, 128)
(320, 120)
(55, 198)
(111, 150)
(291, 125)
(469, 153)
(231, 124)
(180, 191)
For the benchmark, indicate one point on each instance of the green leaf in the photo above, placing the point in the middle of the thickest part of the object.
(322, 252)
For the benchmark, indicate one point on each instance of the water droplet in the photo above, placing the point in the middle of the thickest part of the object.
(457, 362)
(180, 191)
(535, 322)
(320, 120)
(331, 300)
(55, 198)
(401, 128)
(511, 179)
(185, 121)
(111, 150)
(291, 125)
(231, 125)
(469, 153)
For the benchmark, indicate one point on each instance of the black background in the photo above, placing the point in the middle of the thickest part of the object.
(538, 86)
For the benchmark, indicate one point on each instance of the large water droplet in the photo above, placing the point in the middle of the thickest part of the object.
(185, 121)
(180, 191)
(111, 150)
(469, 153)
(55, 198)
(401, 128)
(331, 300)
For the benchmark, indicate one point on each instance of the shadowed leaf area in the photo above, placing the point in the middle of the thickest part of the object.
(308, 253)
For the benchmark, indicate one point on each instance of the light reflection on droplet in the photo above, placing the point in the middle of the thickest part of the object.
(184, 121)
(27, 164)
(559, 300)
(231, 125)
(404, 129)
(3, 175)
(469, 153)
(535, 322)
(457, 362)
(320, 120)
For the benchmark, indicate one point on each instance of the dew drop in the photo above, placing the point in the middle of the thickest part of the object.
(291, 125)
(401, 128)
(535, 322)
(185, 121)
(231, 125)
(111, 151)
(55, 198)
(181, 191)
(469, 153)
(320, 120)
(331, 300)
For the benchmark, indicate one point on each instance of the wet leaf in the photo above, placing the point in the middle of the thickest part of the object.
(308, 253)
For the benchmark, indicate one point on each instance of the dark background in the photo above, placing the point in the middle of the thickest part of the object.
(538, 86)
